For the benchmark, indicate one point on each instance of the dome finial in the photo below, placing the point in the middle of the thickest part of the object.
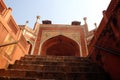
(85, 18)
(95, 25)
(38, 18)
(26, 24)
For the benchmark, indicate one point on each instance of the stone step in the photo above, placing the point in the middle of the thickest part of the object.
(53, 75)
(55, 58)
(32, 74)
(34, 67)
(12, 73)
(58, 60)
(86, 64)
(86, 76)
(56, 68)
(53, 63)
(48, 56)
(17, 78)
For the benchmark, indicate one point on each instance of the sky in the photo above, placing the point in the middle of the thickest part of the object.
(58, 11)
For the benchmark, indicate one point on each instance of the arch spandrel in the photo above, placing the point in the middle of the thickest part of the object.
(49, 34)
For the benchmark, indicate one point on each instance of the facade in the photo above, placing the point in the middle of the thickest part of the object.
(12, 43)
(56, 39)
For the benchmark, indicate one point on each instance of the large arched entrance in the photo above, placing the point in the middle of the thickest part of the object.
(60, 46)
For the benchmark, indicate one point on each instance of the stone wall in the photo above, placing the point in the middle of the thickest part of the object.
(12, 43)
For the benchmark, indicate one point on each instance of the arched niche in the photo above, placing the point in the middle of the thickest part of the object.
(60, 46)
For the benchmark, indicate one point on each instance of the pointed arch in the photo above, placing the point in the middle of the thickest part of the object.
(60, 46)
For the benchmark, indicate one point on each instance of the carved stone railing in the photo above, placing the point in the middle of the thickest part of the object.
(7, 44)
(111, 51)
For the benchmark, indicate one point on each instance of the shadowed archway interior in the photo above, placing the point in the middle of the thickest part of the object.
(60, 46)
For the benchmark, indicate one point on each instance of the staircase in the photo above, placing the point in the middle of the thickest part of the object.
(33, 67)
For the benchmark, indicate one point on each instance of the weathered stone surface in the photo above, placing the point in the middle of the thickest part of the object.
(53, 68)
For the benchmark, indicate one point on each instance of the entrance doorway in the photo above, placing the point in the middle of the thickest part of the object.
(60, 46)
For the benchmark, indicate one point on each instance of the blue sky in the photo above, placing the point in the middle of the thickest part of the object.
(58, 11)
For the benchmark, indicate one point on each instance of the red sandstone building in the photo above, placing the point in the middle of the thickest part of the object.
(104, 48)
(12, 43)
(59, 40)
(101, 45)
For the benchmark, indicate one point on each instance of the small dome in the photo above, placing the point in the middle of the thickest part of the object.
(75, 23)
(46, 22)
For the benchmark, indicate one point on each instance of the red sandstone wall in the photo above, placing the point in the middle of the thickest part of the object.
(12, 43)
(105, 46)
